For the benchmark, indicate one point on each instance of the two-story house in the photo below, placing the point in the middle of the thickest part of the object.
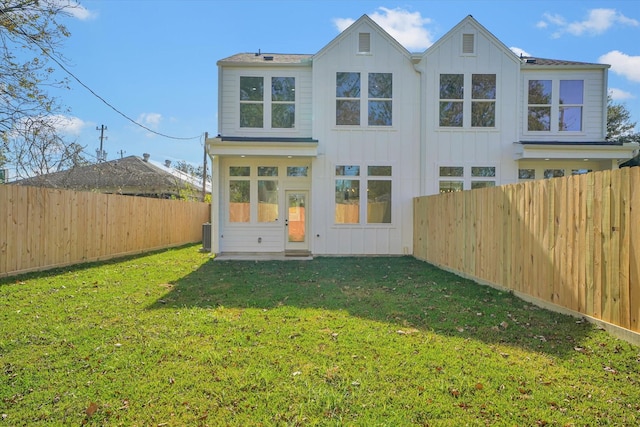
(323, 154)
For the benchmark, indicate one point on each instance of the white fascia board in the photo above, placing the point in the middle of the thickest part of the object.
(217, 147)
(579, 151)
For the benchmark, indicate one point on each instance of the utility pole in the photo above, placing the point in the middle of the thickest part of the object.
(204, 168)
(121, 152)
(101, 155)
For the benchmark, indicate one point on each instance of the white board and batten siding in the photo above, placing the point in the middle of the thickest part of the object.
(397, 145)
(470, 146)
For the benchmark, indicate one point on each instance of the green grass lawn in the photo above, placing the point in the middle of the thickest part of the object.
(174, 338)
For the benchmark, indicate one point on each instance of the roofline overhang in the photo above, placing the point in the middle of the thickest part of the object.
(573, 151)
(262, 147)
(302, 64)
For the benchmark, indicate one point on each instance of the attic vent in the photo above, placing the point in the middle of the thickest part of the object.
(468, 42)
(268, 58)
(364, 43)
(531, 61)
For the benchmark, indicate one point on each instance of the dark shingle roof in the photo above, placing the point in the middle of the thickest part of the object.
(533, 61)
(266, 58)
(129, 175)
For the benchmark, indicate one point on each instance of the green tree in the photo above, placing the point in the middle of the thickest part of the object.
(31, 33)
(620, 128)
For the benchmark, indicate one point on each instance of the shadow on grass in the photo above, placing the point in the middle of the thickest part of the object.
(403, 291)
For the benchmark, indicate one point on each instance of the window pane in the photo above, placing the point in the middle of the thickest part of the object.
(251, 88)
(451, 86)
(297, 170)
(348, 170)
(347, 112)
(267, 201)
(251, 116)
(483, 114)
(553, 173)
(379, 170)
(348, 85)
(539, 118)
(283, 115)
(380, 85)
(267, 171)
(450, 186)
(483, 171)
(526, 174)
(283, 89)
(570, 119)
(379, 202)
(482, 184)
(239, 201)
(580, 171)
(379, 113)
(239, 171)
(571, 91)
(483, 86)
(451, 171)
(539, 92)
(347, 201)
(451, 114)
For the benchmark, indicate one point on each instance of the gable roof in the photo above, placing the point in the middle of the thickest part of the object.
(363, 20)
(534, 62)
(469, 19)
(130, 175)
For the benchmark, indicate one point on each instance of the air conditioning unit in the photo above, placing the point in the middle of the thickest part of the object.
(206, 237)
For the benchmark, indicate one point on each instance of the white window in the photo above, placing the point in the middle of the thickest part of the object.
(375, 182)
(458, 178)
(555, 105)
(481, 97)
(280, 106)
(350, 98)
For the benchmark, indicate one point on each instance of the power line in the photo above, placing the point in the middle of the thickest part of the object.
(107, 103)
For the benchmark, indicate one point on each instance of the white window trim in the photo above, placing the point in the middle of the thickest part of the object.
(554, 128)
(364, 102)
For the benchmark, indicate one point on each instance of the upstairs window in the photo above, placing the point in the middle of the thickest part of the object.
(539, 101)
(283, 102)
(380, 94)
(483, 104)
(251, 102)
(377, 101)
(555, 105)
(451, 100)
(348, 99)
(570, 110)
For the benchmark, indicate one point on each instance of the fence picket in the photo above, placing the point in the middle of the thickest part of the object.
(573, 241)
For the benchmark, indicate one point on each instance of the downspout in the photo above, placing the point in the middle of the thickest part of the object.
(423, 160)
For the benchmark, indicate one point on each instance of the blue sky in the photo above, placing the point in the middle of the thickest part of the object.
(155, 60)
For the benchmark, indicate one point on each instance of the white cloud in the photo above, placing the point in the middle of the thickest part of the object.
(597, 22)
(68, 124)
(623, 64)
(519, 52)
(408, 28)
(75, 9)
(150, 119)
(620, 95)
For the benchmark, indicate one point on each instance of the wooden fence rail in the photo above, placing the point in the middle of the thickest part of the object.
(42, 228)
(573, 242)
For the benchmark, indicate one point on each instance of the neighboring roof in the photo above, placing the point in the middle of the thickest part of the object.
(530, 61)
(129, 175)
(260, 58)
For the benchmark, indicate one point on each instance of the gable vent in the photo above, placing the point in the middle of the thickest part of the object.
(468, 43)
(364, 43)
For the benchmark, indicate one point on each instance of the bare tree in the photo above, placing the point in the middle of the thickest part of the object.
(30, 34)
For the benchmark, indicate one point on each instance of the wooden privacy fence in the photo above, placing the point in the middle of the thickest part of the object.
(573, 242)
(42, 228)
